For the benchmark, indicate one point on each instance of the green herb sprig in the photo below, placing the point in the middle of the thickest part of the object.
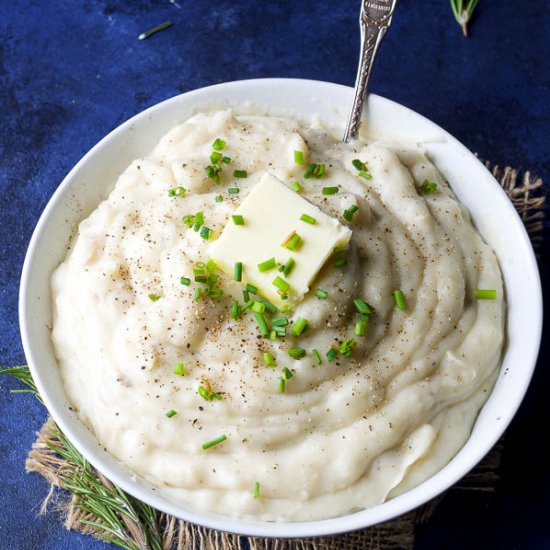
(463, 11)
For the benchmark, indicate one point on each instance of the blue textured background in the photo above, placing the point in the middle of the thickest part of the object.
(70, 71)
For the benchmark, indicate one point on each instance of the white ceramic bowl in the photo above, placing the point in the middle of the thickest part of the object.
(493, 214)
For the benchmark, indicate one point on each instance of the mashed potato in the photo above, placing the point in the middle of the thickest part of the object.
(172, 377)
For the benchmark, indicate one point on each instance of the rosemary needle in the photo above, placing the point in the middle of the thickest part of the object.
(154, 30)
(463, 11)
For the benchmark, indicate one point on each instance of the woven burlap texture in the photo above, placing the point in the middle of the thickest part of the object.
(527, 195)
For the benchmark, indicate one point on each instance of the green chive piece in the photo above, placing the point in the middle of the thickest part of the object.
(171, 413)
(363, 307)
(309, 171)
(340, 259)
(360, 328)
(215, 157)
(285, 308)
(297, 353)
(208, 395)
(359, 165)
(256, 489)
(399, 299)
(267, 265)
(279, 330)
(252, 288)
(199, 217)
(226, 160)
(213, 442)
(315, 171)
(211, 265)
(287, 373)
(198, 293)
(154, 30)
(287, 268)
(258, 307)
(299, 157)
(281, 284)
(269, 360)
(269, 307)
(300, 326)
(320, 293)
(240, 174)
(282, 384)
(296, 186)
(246, 296)
(365, 174)
(177, 192)
(428, 187)
(329, 190)
(206, 233)
(213, 172)
(308, 219)
(346, 348)
(262, 324)
(292, 242)
(218, 198)
(349, 212)
(235, 310)
(185, 281)
(238, 219)
(233, 190)
(238, 272)
(218, 144)
(273, 335)
(248, 305)
(279, 322)
(485, 294)
(200, 275)
(331, 354)
(179, 369)
(317, 356)
(154, 297)
(189, 220)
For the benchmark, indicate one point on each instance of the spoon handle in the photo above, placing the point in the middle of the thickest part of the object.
(374, 20)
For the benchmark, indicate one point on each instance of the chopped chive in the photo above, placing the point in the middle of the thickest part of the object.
(309, 171)
(363, 307)
(349, 212)
(177, 192)
(171, 413)
(211, 265)
(331, 354)
(273, 335)
(285, 308)
(297, 353)
(199, 217)
(213, 172)
(296, 186)
(282, 384)
(359, 165)
(233, 190)
(279, 331)
(399, 299)
(365, 174)
(293, 241)
(308, 219)
(213, 442)
(185, 281)
(218, 144)
(154, 297)
(320, 293)
(320, 172)
(346, 348)
(262, 324)
(252, 288)
(256, 489)
(258, 307)
(226, 160)
(248, 305)
(198, 293)
(269, 307)
(154, 30)
(267, 265)
(300, 326)
(340, 260)
(207, 394)
(189, 220)
(200, 265)
(240, 174)
(269, 360)
(179, 369)
(200, 275)
(238, 219)
(235, 310)
(246, 296)
(428, 187)
(281, 284)
(360, 328)
(279, 322)
(287, 373)
(206, 233)
(287, 268)
(238, 272)
(485, 294)
(218, 198)
(299, 157)
(329, 190)
(315, 171)
(215, 157)
(317, 356)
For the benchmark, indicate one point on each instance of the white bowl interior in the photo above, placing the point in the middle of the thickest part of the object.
(493, 214)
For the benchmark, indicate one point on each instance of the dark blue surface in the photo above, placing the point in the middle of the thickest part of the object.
(70, 71)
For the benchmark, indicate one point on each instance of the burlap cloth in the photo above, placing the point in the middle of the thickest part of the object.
(527, 195)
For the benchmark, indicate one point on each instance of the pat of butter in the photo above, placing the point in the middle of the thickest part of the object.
(271, 212)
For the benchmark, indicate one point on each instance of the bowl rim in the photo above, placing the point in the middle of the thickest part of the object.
(349, 522)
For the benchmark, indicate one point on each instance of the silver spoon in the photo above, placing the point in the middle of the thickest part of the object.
(375, 19)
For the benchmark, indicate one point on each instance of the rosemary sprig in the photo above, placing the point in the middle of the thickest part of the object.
(463, 11)
(119, 518)
(154, 30)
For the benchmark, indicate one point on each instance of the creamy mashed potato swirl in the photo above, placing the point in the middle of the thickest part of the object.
(344, 435)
